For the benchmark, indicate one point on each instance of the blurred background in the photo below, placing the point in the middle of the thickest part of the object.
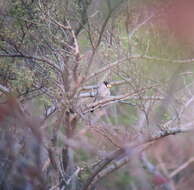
(63, 127)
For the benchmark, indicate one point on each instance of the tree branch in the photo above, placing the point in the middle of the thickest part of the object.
(112, 99)
(32, 57)
(131, 150)
(4, 89)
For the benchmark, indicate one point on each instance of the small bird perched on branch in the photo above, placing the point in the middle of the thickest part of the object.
(103, 90)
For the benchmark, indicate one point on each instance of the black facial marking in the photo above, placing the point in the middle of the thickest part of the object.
(106, 83)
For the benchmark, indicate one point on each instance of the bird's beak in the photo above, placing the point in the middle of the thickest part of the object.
(109, 85)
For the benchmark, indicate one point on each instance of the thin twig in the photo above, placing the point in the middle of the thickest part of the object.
(182, 167)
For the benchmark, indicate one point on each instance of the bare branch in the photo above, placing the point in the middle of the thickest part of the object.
(133, 149)
(113, 99)
(130, 35)
(115, 165)
(44, 60)
(182, 167)
(4, 89)
(113, 83)
(151, 168)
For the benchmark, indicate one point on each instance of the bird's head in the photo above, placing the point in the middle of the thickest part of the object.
(107, 84)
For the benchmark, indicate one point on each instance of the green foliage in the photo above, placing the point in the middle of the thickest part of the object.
(129, 116)
(82, 155)
(17, 9)
(121, 181)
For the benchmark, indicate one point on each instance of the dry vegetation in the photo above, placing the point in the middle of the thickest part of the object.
(58, 132)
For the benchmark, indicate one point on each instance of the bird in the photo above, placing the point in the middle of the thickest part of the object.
(103, 90)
